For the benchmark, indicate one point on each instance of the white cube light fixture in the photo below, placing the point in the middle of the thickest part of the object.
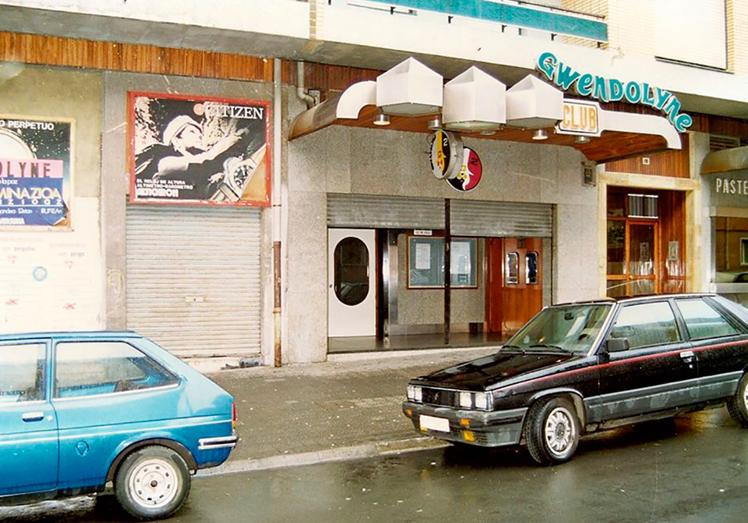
(533, 104)
(474, 101)
(410, 89)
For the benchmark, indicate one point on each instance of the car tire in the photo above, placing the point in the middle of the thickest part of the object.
(552, 431)
(152, 483)
(737, 405)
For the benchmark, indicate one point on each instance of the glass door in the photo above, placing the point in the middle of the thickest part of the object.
(632, 258)
(641, 249)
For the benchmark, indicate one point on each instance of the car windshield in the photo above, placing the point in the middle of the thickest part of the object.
(568, 328)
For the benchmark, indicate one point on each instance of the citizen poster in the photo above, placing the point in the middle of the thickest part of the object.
(199, 150)
(35, 178)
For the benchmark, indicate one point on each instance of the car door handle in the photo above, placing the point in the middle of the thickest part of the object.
(33, 416)
(687, 356)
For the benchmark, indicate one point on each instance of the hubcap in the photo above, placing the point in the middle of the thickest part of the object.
(154, 483)
(559, 431)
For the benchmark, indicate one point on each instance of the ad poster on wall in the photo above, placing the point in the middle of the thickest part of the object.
(35, 172)
(199, 150)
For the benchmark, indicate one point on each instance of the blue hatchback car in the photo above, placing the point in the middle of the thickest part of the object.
(98, 412)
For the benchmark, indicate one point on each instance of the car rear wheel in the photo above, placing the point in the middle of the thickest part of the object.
(737, 405)
(152, 483)
(552, 431)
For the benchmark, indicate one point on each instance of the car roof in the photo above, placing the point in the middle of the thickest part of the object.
(21, 336)
(637, 299)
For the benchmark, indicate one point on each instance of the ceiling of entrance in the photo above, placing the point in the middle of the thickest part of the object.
(610, 146)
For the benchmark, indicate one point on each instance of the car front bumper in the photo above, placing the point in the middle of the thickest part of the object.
(485, 429)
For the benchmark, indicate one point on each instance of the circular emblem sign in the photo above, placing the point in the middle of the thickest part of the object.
(469, 176)
(39, 273)
(445, 154)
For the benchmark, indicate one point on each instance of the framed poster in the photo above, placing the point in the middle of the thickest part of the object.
(35, 171)
(199, 150)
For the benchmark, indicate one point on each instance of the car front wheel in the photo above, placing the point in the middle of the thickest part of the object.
(552, 431)
(152, 483)
(737, 405)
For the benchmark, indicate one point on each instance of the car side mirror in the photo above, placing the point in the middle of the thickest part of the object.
(617, 344)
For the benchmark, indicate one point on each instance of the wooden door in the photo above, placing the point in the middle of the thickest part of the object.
(642, 257)
(515, 282)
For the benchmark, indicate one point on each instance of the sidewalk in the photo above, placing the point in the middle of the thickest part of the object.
(346, 408)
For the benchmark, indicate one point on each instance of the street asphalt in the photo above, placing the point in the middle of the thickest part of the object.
(342, 409)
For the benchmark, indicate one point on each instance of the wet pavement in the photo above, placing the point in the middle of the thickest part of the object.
(691, 469)
(326, 407)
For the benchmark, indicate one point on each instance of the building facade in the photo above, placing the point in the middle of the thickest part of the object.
(326, 232)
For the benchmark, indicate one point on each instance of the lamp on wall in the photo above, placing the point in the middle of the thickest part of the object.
(582, 139)
(381, 119)
(410, 89)
(533, 104)
(435, 123)
(474, 102)
(540, 134)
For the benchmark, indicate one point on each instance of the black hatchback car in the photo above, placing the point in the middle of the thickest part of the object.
(582, 367)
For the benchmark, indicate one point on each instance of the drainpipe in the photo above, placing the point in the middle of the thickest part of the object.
(300, 91)
(447, 270)
(276, 213)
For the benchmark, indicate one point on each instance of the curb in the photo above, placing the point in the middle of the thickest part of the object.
(366, 450)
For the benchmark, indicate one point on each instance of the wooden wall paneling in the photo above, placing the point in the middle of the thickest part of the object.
(90, 54)
(666, 163)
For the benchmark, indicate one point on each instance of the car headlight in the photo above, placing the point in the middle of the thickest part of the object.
(415, 393)
(482, 400)
(466, 399)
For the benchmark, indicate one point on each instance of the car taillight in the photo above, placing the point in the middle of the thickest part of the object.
(233, 416)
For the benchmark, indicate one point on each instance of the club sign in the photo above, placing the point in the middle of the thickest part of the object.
(470, 172)
(445, 154)
(580, 118)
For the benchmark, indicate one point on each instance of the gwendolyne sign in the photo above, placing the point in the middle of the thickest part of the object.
(613, 90)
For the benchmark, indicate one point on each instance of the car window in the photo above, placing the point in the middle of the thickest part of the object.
(573, 328)
(22, 372)
(733, 308)
(702, 320)
(646, 324)
(103, 367)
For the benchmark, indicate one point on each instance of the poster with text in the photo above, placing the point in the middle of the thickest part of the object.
(199, 150)
(35, 172)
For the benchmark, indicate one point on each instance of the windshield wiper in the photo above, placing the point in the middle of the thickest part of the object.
(513, 347)
(553, 347)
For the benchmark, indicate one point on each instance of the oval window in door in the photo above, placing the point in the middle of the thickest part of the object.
(351, 271)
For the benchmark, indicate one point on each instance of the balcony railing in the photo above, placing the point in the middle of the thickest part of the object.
(526, 18)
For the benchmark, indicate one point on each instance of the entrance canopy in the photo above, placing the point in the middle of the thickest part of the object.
(411, 97)
(735, 159)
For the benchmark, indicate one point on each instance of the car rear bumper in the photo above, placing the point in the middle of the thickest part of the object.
(213, 451)
(486, 429)
(221, 442)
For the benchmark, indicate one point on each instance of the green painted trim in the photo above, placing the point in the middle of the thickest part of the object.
(529, 17)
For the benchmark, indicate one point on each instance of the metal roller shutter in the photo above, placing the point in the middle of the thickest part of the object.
(384, 212)
(492, 219)
(468, 217)
(193, 278)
